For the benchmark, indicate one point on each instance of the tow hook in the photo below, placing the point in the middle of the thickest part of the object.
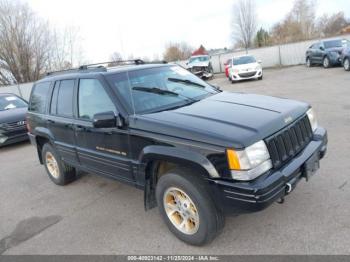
(289, 189)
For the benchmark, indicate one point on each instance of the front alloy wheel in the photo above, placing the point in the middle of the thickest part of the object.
(181, 211)
(347, 64)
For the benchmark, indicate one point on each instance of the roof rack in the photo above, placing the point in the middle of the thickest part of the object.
(98, 67)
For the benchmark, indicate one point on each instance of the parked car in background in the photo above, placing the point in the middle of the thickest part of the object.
(245, 67)
(326, 53)
(227, 65)
(201, 66)
(13, 110)
(345, 58)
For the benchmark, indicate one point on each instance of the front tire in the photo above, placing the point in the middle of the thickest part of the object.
(347, 64)
(59, 172)
(187, 208)
(326, 63)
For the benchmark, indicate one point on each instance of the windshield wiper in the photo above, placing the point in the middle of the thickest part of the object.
(155, 90)
(185, 81)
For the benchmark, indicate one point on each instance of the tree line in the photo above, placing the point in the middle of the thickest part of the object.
(299, 24)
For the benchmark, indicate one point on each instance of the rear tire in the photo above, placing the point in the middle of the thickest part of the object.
(326, 63)
(346, 64)
(59, 172)
(187, 208)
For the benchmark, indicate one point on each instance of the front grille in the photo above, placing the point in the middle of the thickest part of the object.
(249, 74)
(197, 69)
(14, 125)
(288, 142)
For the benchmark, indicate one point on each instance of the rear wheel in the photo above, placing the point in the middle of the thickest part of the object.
(326, 63)
(59, 172)
(187, 208)
(347, 64)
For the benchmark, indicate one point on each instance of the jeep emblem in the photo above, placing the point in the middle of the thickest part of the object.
(288, 119)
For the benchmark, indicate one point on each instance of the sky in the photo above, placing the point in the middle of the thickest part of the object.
(142, 28)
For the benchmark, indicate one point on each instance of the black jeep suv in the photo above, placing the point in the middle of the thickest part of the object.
(197, 152)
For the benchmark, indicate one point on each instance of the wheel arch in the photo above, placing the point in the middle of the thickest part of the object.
(42, 136)
(157, 160)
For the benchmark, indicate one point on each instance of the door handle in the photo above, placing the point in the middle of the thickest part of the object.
(50, 121)
(82, 128)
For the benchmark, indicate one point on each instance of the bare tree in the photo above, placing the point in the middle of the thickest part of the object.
(244, 22)
(331, 25)
(177, 51)
(298, 25)
(29, 47)
(24, 43)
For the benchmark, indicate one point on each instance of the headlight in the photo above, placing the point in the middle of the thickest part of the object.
(312, 118)
(249, 163)
(258, 67)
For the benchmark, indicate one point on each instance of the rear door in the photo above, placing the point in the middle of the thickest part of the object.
(60, 121)
(101, 150)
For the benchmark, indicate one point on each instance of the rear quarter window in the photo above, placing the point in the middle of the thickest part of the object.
(39, 97)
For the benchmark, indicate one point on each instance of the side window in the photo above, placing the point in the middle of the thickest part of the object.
(65, 98)
(39, 97)
(93, 99)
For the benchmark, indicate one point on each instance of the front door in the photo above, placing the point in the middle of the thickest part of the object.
(101, 150)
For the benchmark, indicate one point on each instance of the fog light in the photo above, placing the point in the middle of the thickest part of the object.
(3, 139)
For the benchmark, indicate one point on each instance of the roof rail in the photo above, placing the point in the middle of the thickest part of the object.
(98, 67)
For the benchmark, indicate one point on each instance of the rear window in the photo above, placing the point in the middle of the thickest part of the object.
(39, 97)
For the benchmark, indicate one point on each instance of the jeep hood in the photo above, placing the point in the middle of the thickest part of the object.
(227, 119)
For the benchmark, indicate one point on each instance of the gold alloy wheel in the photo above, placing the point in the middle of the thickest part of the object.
(52, 165)
(181, 210)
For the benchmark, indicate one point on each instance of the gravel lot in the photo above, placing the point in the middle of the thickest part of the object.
(98, 216)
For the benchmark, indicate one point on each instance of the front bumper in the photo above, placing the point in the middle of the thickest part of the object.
(246, 75)
(245, 197)
(11, 139)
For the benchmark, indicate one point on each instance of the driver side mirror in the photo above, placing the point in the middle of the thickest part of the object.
(322, 48)
(107, 120)
(259, 61)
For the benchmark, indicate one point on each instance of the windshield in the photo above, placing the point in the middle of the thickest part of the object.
(198, 59)
(333, 43)
(159, 88)
(11, 102)
(243, 60)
